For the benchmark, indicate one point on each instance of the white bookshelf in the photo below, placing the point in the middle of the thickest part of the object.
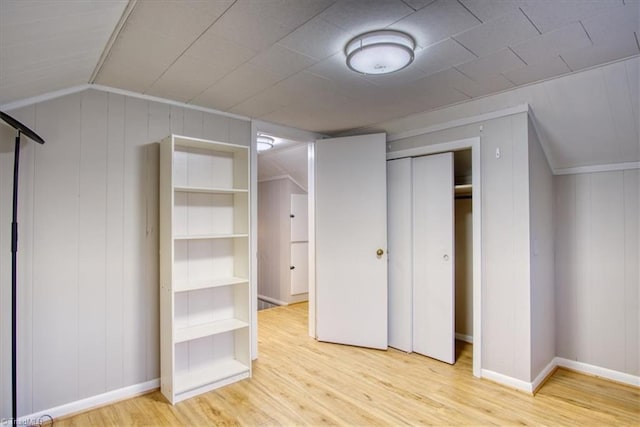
(204, 266)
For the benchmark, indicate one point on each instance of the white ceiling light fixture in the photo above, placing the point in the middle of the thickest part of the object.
(380, 52)
(264, 143)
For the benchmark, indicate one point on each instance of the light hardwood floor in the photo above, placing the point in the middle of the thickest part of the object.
(298, 381)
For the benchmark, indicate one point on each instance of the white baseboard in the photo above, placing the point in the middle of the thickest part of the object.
(508, 381)
(272, 300)
(598, 371)
(93, 401)
(465, 338)
(529, 387)
(542, 376)
(559, 362)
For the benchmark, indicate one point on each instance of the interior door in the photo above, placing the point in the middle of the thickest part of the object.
(299, 244)
(351, 240)
(433, 257)
(299, 268)
(299, 218)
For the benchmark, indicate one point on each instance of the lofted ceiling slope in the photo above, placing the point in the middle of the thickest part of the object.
(582, 119)
(47, 45)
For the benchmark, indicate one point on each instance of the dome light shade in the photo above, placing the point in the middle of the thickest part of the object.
(380, 52)
(264, 143)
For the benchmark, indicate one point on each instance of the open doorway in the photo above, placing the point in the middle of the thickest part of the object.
(282, 221)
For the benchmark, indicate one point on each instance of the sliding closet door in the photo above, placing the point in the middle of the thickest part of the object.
(433, 252)
(399, 230)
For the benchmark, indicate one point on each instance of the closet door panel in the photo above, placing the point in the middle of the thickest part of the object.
(399, 226)
(433, 257)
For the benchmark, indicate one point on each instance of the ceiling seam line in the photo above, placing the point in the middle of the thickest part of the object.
(509, 80)
(279, 81)
(106, 53)
(469, 50)
(469, 10)
(586, 32)
(565, 63)
(519, 57)
(464, 74)
(408, 5)
(248, 60)
(190, 44)
(530, 20)
(635, 34)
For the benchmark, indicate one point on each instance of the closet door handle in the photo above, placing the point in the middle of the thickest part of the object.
(379, 252)
(445, 257)
(292, 267)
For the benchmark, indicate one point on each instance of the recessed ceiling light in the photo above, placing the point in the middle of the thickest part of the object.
(264, 143)
(380, 52)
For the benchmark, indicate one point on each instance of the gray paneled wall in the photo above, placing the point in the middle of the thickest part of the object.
(596, 272)
(543, 321)
(88, 286)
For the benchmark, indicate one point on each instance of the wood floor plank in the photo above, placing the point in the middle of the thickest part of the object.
(299, 381)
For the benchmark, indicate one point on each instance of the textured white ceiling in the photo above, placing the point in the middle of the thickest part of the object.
(51, 45)
(282, 61)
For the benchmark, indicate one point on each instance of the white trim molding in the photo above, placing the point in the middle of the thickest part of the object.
(522, 108)
(93, 401)
(608, 374)
(271, 300)
(74, 89)
(508, 381)
(425, 150)
(287, 132)
(44, 97)
(544, 375)
(560, 362)
(597, 168)
(528, 387)
(166, 101)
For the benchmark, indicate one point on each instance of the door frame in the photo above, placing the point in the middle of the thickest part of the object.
(476, 203)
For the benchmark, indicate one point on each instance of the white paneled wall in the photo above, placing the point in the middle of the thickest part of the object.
(274, 240)
(596, 273)
(88, 255)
